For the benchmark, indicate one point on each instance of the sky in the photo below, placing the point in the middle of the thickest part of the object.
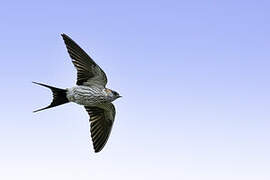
(194, 76)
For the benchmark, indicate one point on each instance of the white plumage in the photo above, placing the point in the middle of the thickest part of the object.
(89, 96)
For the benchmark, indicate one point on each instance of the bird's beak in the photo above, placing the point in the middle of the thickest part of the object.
(119, 96)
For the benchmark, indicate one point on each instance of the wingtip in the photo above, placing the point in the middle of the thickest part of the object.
(99, 149)
(65, 36)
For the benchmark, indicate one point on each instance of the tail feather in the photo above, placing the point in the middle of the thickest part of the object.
(59, 96)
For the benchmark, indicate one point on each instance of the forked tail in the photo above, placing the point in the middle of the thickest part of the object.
(59, 96)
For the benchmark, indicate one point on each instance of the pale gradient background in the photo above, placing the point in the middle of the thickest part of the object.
(194, 76)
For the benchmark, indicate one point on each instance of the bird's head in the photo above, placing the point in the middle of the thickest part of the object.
(113, 94)
(116, 94)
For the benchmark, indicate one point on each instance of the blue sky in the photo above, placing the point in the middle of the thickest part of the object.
(194, 76)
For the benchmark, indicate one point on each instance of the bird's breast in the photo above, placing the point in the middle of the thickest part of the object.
(87, 96)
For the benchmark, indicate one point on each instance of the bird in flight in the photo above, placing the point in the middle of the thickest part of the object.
(90, 91)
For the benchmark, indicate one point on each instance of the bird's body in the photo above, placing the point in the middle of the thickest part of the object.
(90, 91)
(88, 96)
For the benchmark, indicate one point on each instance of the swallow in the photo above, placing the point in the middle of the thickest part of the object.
(90, 91)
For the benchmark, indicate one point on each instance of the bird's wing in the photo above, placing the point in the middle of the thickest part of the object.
(88, 72)
(101, 122)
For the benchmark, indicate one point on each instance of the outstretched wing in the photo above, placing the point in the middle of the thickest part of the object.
(88, 72)
(101, 122)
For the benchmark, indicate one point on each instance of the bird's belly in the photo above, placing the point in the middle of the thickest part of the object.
(86, 96)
